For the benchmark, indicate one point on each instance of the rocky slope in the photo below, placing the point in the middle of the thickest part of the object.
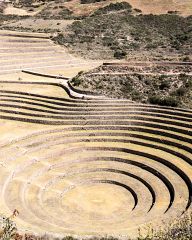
(169, 85)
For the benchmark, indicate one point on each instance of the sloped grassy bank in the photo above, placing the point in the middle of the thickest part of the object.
(168, 89)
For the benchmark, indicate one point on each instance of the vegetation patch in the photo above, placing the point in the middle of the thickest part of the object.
(123, 34)
(113, 7)
(179, 229)
(54, 11)
(139, 85)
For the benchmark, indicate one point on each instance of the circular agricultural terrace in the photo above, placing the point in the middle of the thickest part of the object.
(91, 166)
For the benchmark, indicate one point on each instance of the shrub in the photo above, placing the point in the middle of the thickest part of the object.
(164, 101)
(188, 83)
(8, 229)
(76, 81)
(162, 77)
(136, 96)
(164, 85)
(113, 7)
(181, 91)
(137, 10)
(120, 54)
(170, 101)
(186, 59)
(183, 76)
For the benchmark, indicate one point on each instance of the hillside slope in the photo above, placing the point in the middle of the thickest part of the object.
(147, 6)
(155, 83)
(111, 32)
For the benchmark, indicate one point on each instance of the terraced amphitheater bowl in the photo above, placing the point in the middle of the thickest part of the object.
(90, 166)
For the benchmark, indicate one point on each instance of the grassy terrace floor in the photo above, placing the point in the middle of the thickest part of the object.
(27, 51)
(90, 166)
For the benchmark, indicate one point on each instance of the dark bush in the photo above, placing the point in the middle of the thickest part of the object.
(113, 7)
(120, 54)
(164, 101)
(164, 85)
(186, 59)
(137, 10)
(181, 91)
(76, 81)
